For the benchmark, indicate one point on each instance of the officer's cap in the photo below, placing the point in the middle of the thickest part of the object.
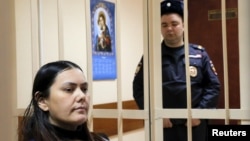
(172, 6)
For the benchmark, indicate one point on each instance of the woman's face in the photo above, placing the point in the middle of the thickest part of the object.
(68, 102)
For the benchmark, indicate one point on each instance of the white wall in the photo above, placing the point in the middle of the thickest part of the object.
(131, 20)
(63, 35)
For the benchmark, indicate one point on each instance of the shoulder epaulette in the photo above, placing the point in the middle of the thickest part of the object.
(197, 47)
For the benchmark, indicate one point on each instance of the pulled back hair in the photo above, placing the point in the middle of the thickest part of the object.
(35, 124)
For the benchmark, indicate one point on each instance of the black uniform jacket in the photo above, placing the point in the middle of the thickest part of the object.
(205, 85)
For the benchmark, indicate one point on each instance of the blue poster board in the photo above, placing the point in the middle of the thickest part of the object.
(103, 40)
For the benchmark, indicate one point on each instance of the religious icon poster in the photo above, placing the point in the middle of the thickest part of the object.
(103, 39)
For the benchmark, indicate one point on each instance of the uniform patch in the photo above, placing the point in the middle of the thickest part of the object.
(193, 71)
(213, 68)
(200, 47)
(195, 56)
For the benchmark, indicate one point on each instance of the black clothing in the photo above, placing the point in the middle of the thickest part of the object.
(78, 135)
(178, 132)
(204, 82)
(70, 135)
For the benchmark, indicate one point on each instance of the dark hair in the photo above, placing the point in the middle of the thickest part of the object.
(35, 124)
(101, 15)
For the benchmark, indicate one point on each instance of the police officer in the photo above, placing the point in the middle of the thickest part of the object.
(205, 85)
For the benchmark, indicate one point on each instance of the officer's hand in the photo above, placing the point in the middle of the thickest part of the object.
(195, 122)
(167, 123)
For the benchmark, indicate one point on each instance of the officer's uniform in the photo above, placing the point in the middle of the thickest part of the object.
(204, 81)
(205, 87)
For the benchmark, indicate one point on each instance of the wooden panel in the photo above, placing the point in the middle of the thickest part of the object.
(209, 34)
(109, 126)
(19, 125)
